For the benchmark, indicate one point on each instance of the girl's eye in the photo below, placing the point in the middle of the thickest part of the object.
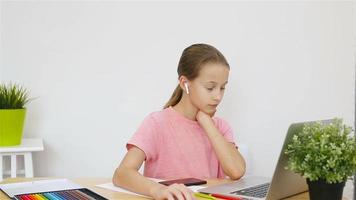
(222, 88)
(210, 89)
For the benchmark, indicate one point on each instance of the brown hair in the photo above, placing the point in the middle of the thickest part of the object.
(190, 63)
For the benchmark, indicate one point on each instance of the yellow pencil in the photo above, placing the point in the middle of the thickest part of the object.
(204, 196)
(37, 196)
(43, 197)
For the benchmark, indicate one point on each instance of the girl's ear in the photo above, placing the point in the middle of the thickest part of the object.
(184, 84)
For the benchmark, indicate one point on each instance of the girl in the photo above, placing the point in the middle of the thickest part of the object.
(185, 139)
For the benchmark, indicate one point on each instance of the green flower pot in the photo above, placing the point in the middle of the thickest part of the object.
(11, 126)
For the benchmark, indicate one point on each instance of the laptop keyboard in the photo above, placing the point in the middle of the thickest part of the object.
(258, 191)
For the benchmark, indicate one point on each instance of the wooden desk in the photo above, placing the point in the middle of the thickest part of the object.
(91, 182)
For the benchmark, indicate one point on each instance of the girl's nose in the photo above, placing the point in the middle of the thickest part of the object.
(218, 96)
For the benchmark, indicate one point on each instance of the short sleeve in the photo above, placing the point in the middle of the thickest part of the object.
(144, 138)
(225, 129)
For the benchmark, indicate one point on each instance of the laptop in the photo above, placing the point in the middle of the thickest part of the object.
(284, 182)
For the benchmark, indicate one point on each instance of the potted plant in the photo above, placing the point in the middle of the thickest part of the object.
(325, 154)
(13, 98)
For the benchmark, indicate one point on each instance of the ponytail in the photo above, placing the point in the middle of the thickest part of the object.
(175, 98)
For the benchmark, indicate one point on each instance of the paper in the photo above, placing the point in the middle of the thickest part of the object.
(195, 188)
(12, 189)
(111, 186)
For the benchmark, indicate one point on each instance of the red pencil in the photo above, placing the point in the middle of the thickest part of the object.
(25, 197)
(220, 196)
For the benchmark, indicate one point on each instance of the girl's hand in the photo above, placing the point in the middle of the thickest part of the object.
(203, 118)
(172, 192)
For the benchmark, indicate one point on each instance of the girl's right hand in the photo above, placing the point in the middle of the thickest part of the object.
(172, 192)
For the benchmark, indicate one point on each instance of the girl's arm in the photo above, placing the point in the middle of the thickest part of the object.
(128, 177)
(232, 162)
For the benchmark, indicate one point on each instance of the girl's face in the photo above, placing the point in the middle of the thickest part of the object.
(207, 90)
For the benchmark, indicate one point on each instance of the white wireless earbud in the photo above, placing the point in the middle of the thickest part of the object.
(186, 88)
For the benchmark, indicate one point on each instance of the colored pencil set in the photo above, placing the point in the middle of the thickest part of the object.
(77, 194)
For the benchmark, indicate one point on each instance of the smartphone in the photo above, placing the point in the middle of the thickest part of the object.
(185, 181)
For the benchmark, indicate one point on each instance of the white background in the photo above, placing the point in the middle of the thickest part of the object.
(96, 69)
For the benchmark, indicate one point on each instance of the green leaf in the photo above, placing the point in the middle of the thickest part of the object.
(13, 96)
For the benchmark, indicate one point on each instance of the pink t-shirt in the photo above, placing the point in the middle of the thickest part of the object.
(177, 147)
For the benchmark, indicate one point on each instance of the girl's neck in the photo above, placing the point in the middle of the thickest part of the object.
(186, 108)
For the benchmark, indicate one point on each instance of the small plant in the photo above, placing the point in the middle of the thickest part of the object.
(323, 152)
(13, 96)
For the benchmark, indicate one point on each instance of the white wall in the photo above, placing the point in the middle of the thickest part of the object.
(98, 68)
